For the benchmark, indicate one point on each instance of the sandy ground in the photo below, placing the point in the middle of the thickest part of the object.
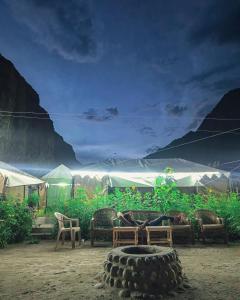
(38, 272)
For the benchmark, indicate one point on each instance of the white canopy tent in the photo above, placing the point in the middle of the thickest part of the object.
(144, 172)
(59, 184)
(15, 183)
(15, 177)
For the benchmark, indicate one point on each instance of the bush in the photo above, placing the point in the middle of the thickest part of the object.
(17, 222)
(33, 200)
(164, 198)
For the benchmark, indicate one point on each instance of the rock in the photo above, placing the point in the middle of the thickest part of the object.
(99, 285)
(117, 283)
(114, 271)
(172, 293)
(186, 285)
(99, 276)
(136, 295)
(124, 293)
(153, 297)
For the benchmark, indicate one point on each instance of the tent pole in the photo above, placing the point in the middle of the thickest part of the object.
(38, 196)
(197, 187)
(72, 191)
(24, 192)
(46, 203)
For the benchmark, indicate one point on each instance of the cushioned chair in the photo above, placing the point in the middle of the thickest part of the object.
(182, 229)
(102, 223)
(210, 225)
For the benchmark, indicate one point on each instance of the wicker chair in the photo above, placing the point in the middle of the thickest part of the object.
(184, 229)
(102, 223)
(71, 229)
(210, 225)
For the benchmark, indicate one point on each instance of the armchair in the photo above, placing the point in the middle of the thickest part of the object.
(184, 228)
(102, 223)
(210, 225)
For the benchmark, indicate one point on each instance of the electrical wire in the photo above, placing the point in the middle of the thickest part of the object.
(198, 140)
(121, 116)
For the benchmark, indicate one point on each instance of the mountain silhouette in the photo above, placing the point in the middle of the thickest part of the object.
(27, 134)
(216, 142)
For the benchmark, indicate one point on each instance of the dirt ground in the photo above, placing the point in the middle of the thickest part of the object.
(38, 272)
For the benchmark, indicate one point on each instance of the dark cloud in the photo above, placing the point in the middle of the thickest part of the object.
(210, 73)
(225, 84)
(93, 115)
(175, 110)
(164, 64)
(220, 24)
(113, 111)
(62, 26)
(147, 130)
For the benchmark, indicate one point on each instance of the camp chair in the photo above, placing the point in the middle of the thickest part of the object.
(102, 223)
(210, 225)
(182, 228)
(72, 229)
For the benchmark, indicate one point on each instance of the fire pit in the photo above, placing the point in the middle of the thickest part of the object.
(145, 272)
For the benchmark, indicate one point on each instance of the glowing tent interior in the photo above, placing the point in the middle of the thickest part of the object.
(141, 173)
(16, 183)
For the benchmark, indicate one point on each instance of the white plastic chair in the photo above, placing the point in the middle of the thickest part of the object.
(72, 229)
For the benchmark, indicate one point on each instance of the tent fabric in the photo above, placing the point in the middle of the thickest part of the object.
(59, 183)
(60, 172)
(2, 184)
(151, 165)
(16, 177)
(144, 172)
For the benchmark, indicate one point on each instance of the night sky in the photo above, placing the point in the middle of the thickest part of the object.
(120, 77)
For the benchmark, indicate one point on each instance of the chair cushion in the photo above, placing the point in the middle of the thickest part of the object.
(213, 226)
(102, 229)
(181, 227)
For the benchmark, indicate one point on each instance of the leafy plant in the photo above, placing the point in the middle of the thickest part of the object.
(32, 200)
(17, 222)
(165, 197)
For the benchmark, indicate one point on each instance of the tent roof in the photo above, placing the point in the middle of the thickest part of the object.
(150, 166)
(143, 172)
(59, 172)
(16, 177)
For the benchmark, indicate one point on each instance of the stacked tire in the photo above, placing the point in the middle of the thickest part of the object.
(143, 271)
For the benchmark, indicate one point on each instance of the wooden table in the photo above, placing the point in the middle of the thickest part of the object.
(162, 235)
(118, 240)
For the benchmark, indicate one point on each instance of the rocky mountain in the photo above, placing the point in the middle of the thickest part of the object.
(221, 147)
(27, 138)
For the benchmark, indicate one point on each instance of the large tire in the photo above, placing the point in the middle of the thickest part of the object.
(143, 271)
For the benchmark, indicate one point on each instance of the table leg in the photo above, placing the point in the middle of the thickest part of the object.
(148, 237)
(136, 238)
(170, 237)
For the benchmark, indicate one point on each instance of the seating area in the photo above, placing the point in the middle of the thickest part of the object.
(105, 224)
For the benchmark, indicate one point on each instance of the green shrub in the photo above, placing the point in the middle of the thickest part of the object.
(165, 197)
(33, 200)
(17, 222)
